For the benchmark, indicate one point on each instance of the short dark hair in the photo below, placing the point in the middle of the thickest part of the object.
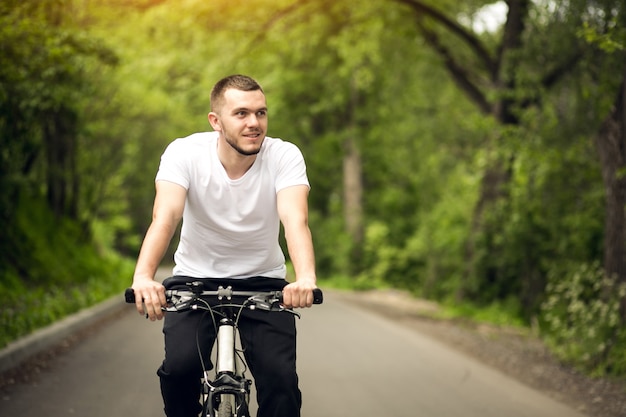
(238, 82)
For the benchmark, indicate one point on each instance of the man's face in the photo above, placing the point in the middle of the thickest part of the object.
(242, 120)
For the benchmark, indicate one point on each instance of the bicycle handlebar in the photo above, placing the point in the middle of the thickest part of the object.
(179, 299)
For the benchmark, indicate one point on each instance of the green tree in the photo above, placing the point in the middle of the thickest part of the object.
(505, 76)
(42, 82)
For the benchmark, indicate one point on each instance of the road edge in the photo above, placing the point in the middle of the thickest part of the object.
(20, 350)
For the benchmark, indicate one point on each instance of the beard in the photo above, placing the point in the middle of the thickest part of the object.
(233, 144)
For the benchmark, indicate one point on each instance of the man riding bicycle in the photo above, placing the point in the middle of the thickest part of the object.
(232, 188)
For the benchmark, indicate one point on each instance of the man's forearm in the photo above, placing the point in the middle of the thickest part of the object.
(153, 249)
(301, 252)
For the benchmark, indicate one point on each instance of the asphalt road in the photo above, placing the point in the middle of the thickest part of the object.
(351, 363)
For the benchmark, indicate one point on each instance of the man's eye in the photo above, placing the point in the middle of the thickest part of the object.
(261, 114)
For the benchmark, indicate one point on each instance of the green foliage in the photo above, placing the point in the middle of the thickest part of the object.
(45, 76)
(332, 244)
(383, 259)
(498, 313)
(430, 261)
(554, 206)
(55, 271)
(581, 317)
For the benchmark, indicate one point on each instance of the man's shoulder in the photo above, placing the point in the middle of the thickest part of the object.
(188, 150)
(277, 146)
(200, 139)
(183, 156)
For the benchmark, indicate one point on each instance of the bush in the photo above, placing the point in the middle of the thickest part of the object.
(581, 318)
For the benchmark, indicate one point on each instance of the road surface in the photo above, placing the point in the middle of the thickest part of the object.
(351, 363)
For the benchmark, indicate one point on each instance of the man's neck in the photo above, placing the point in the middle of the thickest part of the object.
(234, 163)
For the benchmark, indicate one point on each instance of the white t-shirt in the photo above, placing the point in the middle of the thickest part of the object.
(230, 227)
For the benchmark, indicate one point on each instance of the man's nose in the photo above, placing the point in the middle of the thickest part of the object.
(253, 120)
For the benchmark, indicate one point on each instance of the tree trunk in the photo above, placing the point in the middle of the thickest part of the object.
(60, 150)
(353, 191)
(611, 144)
(353, 182)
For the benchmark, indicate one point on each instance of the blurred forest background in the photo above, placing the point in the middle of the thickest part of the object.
(470, 151)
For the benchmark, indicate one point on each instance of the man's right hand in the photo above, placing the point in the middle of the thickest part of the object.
(149, 298)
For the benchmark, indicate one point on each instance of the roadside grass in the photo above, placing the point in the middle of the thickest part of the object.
(496, 314)
(31, 306)
(51, 267)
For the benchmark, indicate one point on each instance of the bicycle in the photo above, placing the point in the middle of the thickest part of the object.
(228, 393)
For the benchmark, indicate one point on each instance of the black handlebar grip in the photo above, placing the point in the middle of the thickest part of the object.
(318, 296)
(129, 296)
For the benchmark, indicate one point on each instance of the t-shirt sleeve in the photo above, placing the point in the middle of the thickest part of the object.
(291, 168)
(174, 167)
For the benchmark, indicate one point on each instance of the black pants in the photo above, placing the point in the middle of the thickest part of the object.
(269, 340)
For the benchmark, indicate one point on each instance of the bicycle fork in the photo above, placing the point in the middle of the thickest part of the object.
(229, 385)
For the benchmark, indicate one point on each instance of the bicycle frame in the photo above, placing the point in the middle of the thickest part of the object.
(229, 384)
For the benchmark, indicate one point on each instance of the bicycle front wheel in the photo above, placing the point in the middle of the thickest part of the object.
(226, 406)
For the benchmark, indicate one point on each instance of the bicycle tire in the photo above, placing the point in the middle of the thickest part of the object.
(225, 408)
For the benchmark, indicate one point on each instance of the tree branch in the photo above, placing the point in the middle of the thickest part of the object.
(284, 12)
(560, 71)
(513, 28)
(459, 74)
(472, 41)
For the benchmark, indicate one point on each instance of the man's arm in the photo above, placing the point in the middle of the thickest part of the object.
(294, 214)
(169, 203)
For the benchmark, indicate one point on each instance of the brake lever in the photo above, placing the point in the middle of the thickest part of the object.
(179, 301)
(264, 303)
(258, 302)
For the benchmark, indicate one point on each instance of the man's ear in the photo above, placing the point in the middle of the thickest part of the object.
(215, 121)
